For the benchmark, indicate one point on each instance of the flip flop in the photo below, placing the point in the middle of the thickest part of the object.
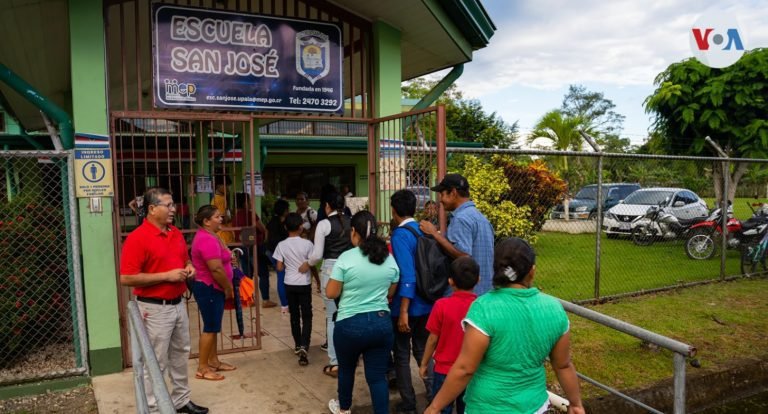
(209, 375)
(331, 371)
(224, 367)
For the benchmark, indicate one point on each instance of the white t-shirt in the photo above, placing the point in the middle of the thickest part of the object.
(294, 251)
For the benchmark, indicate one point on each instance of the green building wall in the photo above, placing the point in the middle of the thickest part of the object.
(89, 112)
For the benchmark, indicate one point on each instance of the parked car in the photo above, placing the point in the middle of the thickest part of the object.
(583, 205)
(684, 204)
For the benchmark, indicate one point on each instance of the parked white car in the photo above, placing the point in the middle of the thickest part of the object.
(685, 205)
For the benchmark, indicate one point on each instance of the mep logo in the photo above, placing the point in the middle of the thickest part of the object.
(716, 40)
(180, 92)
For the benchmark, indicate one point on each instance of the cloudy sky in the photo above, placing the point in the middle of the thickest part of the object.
(615, 47)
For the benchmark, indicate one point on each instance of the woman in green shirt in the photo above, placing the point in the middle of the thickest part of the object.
(364, 277)
(509, 332)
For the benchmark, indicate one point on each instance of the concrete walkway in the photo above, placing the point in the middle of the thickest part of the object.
(266, 381)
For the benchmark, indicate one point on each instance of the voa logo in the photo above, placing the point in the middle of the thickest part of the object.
(716, 40)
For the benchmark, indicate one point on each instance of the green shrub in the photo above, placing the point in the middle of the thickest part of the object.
(34, 284)
(489, 191)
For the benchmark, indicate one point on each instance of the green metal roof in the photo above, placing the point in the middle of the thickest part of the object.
(472, 20)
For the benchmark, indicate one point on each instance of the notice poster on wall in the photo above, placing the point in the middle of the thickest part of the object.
(203, 184)
(223, 60)
(258, 186)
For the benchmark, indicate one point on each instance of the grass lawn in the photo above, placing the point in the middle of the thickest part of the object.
(724, 321)
(566, 265)
(741, 208)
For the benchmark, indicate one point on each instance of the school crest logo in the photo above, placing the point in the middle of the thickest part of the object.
(313, 55)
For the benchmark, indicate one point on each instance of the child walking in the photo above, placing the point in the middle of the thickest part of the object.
(444, 326)
(291, 255)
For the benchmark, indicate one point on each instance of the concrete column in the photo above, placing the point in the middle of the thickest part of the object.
(387, 69)
(89, 112)
(387, 78)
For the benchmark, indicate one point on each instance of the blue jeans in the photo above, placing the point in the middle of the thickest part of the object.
(210, 302)
(369, 334)
(437, 382)
(280, 282)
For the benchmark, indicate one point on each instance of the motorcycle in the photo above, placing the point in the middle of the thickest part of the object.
(659, 224)
(704, 238)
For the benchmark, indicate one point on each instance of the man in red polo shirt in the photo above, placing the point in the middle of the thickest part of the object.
(155, 262)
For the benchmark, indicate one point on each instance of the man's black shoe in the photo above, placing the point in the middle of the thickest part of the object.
(192, 408)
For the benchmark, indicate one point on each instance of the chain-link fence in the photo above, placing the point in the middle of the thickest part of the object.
(42, 328)
(606, 225)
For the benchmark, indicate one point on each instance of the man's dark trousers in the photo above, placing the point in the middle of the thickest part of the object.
(405, 343)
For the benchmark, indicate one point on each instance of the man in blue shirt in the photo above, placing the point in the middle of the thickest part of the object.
(408, 310)
(469, 232)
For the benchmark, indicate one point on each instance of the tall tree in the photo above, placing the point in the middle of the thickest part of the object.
(594, 108)
(466, 119)
(730, 105)
(562, 131)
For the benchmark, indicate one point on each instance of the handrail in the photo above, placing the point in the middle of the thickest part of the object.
(680, 349)
(144, 356)
(61, 117)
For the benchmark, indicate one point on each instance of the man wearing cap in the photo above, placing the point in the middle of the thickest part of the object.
(469, 232)
(155, 262)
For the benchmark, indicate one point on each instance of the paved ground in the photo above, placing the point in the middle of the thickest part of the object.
(266, 381)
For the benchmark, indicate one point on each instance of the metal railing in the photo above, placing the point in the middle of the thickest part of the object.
(144, 358)
(681, 350)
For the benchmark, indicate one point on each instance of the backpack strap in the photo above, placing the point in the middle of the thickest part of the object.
(409, 228)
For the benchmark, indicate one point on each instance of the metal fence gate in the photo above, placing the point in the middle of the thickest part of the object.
(190, 155)
(408, 152)
(42, 320)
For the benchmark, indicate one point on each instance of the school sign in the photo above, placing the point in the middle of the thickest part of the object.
(212, 59)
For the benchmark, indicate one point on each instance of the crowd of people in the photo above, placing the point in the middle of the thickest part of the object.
(480, 349)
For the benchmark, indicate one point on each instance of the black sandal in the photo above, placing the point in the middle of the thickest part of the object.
(331, 370)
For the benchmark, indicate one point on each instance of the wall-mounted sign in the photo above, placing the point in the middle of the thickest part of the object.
(203, 184)
(222, 60)
(258, 188)
(93, 173)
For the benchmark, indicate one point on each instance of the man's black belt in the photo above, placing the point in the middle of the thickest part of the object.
(156, 301)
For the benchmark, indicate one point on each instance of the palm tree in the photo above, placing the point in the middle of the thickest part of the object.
(562, 130)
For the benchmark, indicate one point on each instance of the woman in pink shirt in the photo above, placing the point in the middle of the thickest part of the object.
(213, 285)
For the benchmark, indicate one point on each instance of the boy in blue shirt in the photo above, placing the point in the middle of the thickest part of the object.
(408, 310)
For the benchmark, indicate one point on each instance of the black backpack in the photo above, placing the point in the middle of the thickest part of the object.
(433, 267)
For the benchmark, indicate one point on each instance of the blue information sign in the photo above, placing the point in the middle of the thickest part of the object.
(224, 60)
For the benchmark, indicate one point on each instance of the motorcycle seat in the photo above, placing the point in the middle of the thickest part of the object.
(752, 223)
(691, 222)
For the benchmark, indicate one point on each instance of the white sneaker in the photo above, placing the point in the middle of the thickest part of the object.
(284, 310)
(335, 408)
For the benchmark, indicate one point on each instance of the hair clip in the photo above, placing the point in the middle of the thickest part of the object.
(510, 273)
(368, 229)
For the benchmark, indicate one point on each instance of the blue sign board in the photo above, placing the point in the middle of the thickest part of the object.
(224, 60)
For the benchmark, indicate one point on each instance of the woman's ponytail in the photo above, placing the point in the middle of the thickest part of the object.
(372, 246)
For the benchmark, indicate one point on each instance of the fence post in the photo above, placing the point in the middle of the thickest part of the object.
(442, 161)
(679, 384)
(723, 203)
(372, 167)
(599, 198)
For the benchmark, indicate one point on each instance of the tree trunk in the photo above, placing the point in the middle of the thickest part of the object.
(739, 169)
(717, 178)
